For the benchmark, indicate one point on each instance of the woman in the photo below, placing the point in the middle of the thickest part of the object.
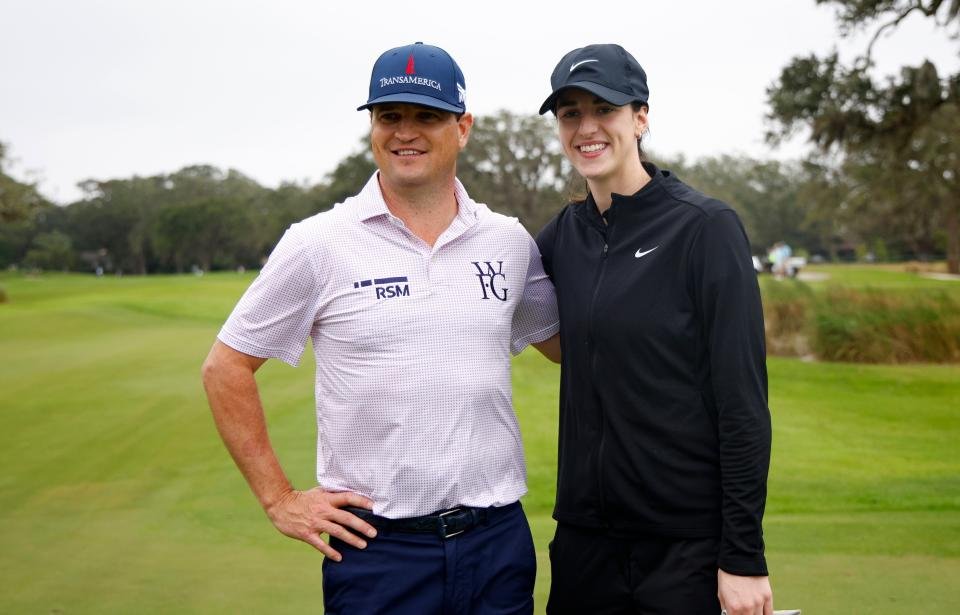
(664, 426)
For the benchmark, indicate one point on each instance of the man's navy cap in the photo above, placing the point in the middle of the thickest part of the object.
(608, 71)
(420, 74)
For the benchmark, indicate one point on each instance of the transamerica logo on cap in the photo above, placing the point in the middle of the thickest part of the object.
(411, 78)
(385, 81)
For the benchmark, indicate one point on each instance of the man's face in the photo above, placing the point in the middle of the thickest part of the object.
(416, 146)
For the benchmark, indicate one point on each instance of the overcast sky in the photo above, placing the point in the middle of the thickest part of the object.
(113, 88)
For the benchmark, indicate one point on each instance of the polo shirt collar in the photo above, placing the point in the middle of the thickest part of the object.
(371, 204)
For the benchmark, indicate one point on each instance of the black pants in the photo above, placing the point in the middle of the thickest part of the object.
(600, 574)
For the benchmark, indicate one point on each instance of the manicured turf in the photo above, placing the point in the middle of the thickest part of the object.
(117, 497)
(890, 277)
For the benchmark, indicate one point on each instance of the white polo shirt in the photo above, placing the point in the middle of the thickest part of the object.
(412, 345)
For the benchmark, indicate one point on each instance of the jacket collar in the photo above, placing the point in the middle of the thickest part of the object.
(622, 204)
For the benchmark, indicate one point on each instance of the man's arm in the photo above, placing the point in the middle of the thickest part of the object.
(549, 348)
(228, 377)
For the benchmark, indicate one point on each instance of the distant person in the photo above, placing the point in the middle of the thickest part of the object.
(414, 296)
(780, 254)
(664, 426)
(786, 252)
(773, 257)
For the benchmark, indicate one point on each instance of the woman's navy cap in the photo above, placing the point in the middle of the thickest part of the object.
(608, 71)
(419, 74)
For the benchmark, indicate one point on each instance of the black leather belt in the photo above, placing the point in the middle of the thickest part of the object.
(445, 523)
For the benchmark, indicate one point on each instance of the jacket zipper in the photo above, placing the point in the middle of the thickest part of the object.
(593, 371)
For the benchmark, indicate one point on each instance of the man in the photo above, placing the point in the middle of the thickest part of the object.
(414, 296)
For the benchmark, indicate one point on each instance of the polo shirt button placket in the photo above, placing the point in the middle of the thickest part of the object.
(428, 274)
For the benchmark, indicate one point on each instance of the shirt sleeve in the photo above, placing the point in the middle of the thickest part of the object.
(545, 241)
(274, 316)
(729, 302)
(535, 318)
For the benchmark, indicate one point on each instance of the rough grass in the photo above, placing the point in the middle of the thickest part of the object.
(868, 314)
(117, 497)
(875, 326)
(787, 310)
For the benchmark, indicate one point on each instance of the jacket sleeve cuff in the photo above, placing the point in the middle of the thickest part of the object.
(744, 566)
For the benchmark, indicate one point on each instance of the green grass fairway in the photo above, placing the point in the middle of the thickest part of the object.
(116, 495)
(889, 277)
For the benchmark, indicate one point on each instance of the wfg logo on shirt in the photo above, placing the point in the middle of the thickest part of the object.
(489, 284)
(386, 288)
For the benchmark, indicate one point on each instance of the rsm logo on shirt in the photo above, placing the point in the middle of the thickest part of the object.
(387, 288)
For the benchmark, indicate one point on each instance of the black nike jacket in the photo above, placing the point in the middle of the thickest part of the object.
(664, 425)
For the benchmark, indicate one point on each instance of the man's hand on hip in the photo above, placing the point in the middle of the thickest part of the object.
(744, 595)
(305, 515)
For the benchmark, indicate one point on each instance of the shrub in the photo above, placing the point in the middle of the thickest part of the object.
(872, 326)
(787, 309)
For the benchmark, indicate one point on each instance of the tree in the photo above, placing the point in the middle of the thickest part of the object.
(116, 216)
(213, 232)
(144, 224)
(349, 177)
(896, 139)
(51, 251)
(822, 187)
(17, 199)
(515, 165)
(23, 214)
(766, 195)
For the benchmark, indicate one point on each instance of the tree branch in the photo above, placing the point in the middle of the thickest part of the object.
(917, 6)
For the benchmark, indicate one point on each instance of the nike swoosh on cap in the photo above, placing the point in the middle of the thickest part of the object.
(639, 253)
(572, 68)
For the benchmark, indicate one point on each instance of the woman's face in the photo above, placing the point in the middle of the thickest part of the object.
(599, 138)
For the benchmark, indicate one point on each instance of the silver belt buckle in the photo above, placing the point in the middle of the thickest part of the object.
(443, 523)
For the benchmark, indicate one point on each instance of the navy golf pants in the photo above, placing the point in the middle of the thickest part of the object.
(488, 570)
(593, 572)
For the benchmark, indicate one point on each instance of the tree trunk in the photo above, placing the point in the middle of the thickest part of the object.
(953, 241)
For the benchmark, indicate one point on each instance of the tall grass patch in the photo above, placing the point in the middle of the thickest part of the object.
(862, 323)
(787, 311)
(873, 326)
